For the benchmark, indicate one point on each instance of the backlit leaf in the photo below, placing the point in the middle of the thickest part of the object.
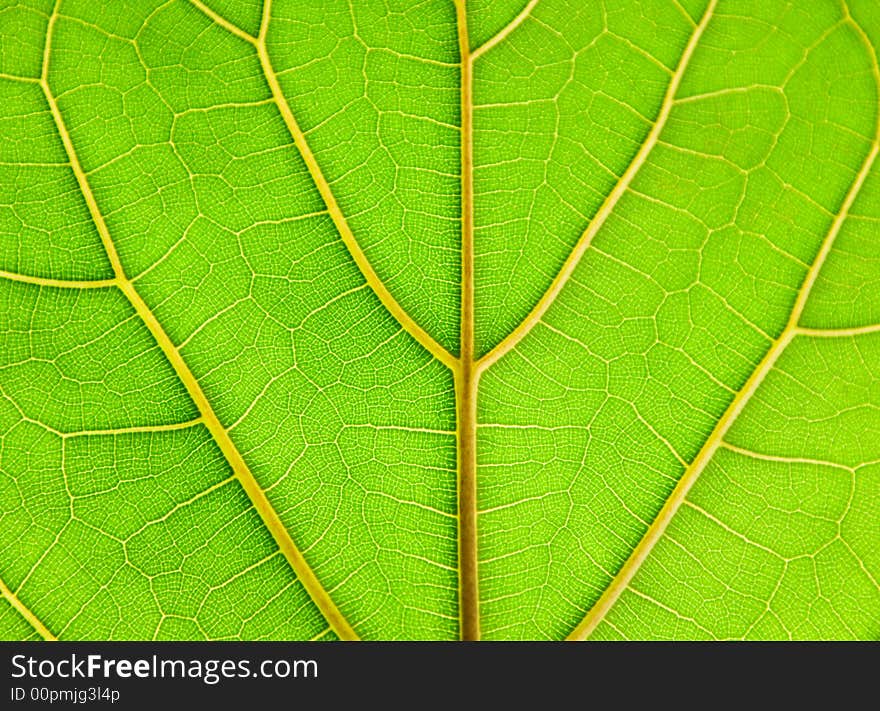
(439, 319)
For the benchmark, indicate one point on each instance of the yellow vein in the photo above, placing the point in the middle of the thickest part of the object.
(223, 22)
(245, 477)
(505, 32)
(562, 277)
(715, 439)
(751, 454)
(467, 375)
(839, 332)
(354, 248)
(25, 612)
(59, 283)
(15, 77)
(145, 429)
(321, 635)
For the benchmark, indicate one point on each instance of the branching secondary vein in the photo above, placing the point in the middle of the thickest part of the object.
(505, 32)
(25, 612)
(716, 439)
(246, 478)
(342, 226)
(568, 268)
(465, 367)
(59, 283)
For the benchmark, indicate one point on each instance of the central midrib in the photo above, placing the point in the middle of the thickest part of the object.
(466, 368)
(467, 374)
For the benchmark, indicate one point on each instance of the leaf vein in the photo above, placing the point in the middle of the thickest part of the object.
(679, 494)
(256, 494)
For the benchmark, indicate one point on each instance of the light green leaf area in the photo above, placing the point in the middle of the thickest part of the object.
(439, 319)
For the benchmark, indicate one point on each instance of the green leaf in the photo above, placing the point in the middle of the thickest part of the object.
(425, 319)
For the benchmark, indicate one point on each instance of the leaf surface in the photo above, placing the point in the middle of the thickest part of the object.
(439, 320)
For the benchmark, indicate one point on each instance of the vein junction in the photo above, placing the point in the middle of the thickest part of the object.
(466, 367)
(208, 416)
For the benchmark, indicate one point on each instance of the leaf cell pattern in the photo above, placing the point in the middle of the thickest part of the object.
(439, 319)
